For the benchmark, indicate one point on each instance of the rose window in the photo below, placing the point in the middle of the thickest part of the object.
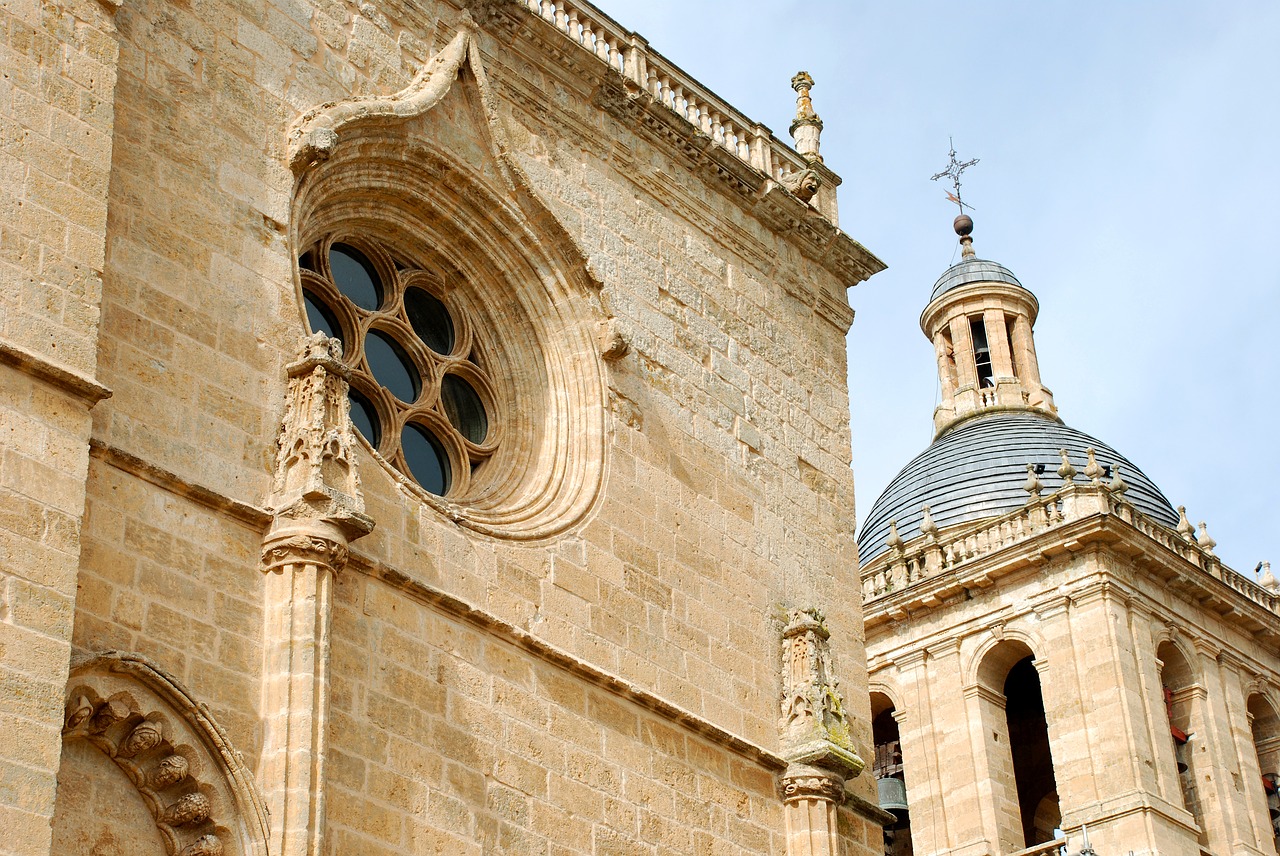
(419, 391)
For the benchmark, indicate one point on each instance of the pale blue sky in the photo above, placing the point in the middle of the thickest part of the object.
(1129, 177)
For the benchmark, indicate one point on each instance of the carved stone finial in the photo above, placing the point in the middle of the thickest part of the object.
(894, 540)
(1067, 471)
(927, 527)
(1093, 470)
(963, 224)
(316, 491)
(814, 726)
(1266, 579)
(1205, 540)
(1033, 485)
(1185, 529)
(1118, 485)
(806, 128)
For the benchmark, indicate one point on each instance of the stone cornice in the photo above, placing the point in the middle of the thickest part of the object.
(1204, 582)
(758, 177)
(54, 374)
(545, 651)
(252, 516)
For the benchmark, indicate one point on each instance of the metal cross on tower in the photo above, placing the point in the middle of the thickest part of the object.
(953, 171)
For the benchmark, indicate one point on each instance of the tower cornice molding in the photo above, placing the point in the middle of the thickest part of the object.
(1118, 531)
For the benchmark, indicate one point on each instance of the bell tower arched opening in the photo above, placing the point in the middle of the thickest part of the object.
(1016, 733)
(1032, 759)
(1265, 724)
(890, 778)
(1178, 685)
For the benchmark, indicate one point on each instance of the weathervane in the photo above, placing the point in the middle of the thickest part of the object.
(953, 171)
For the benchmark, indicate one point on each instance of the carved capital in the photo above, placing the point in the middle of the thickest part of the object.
(805, 782)
(309, 545)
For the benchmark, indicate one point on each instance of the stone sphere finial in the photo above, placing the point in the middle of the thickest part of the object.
(963, 225)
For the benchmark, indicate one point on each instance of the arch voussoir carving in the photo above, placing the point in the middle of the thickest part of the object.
(181, 764)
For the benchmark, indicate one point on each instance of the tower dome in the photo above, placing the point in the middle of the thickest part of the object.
(978, 469)
(994, 417)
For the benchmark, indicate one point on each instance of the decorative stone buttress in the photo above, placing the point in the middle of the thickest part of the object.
(318, 510)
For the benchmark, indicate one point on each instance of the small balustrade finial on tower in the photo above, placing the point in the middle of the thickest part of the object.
(927, 527)
(1118, 485)
(963, 223)
(1266, 579)
(1185, 529)
(1092, 469)
(1205, 540)
(894, 540)
(1033, 484)
(806, 128)
(1067, 471)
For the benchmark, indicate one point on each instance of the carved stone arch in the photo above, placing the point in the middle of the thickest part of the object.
(1177, 659)
(889, 691)
(429, 171)
(1015, 640)
(180, 764)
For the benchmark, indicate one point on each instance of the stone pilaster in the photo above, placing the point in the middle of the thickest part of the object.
(318, 511)
(57, 114)
(811, 796)
(815, 738)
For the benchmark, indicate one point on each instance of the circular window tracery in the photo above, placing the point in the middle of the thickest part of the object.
(419, 394)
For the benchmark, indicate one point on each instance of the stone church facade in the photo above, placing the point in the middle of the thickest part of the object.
(425, 431)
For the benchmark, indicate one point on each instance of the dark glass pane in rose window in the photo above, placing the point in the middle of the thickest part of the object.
(355, 276)
(430, 320)
(391, 366)
(365, 418)
(428, 463)
(463, 407)
(320, 318)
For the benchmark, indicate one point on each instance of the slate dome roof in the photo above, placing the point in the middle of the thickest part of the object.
(973, 270)
(977, 469)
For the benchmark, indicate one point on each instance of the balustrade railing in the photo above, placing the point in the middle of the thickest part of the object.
(629, 54)
(926, 557)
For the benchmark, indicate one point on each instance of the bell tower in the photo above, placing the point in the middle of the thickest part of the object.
(980, 320)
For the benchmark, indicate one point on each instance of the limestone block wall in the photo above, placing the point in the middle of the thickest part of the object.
(626, 662)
